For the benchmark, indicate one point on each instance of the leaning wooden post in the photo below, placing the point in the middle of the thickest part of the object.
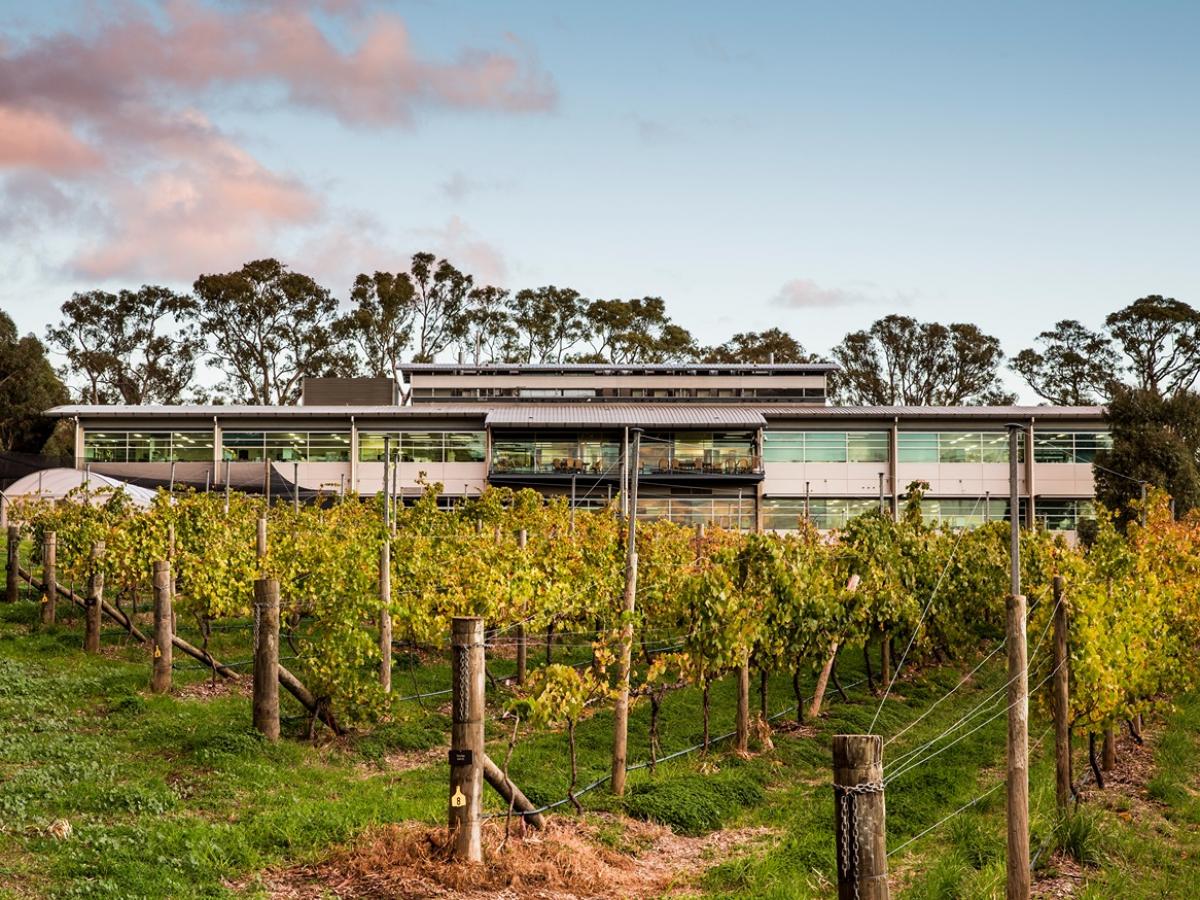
(260, 537)
(814, 708)
(49, 577)
(859, 817)
(522, 647)
(1062, 701)
(95, 601)
(385, 615)
(466, 738)
(13, 578)
(266, 657)
(160, 678)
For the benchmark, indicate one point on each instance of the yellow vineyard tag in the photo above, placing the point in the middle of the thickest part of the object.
(459, 798)
(157, 653)
(45, 599)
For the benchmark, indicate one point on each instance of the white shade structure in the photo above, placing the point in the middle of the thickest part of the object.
(56, 484)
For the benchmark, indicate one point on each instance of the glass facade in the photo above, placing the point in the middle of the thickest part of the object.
(964, 512)
(681, 453)
(1063, 515)
(1069, 446)
(286, 446)
(957, 447)
(423, 446)
(148, 446)
(785, 513)
(727, 512)
(825, 446)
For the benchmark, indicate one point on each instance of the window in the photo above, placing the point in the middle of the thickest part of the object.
(148, 446)
(422, 446)
(286, 446)
(960, 512)
(1063, 515)
(825, 446)
(730, 513)
(1069, 446)
(957, 446)
(826, 513)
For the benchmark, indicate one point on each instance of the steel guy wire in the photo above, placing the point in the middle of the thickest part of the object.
(963, 681)
(921, 620)
(987, 701)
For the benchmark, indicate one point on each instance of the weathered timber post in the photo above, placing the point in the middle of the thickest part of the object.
(385, 615)
(1062, 701)
(1108, 759)
(94, 602)
(814, 708)
(466, 738)
(266, 657)
(859, 817)
(260, 538)
(742, 729)
(522, 647)
(885, 660)
(1017, 778)
(49, 577)
(625, 660)
(160, 678)
(12, 577)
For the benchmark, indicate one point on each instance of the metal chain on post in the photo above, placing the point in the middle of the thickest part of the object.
(463, 664)
(849, 855)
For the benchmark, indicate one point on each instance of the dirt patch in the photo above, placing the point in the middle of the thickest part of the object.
(206, 690)
(569, 860)
(404, 761)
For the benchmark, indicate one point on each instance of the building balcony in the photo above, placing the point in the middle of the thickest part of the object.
(713, 467)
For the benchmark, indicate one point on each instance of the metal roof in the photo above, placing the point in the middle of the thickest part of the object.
(818, 368)
(587, 415)
(247, 411)
(1018, 413)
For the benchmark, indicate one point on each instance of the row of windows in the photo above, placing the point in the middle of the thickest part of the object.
(808, 395)
(785, 513)
(422, 446)
(148, 446)
(929, 446)
(1070, 446)
(285, 446)
(711, 452)
(825, 446)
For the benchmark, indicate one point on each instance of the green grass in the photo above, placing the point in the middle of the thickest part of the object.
(177, 797)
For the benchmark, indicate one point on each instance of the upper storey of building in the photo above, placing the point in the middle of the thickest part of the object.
(692, 382)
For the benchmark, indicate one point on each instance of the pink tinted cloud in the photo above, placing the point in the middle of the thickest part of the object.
(30, 139)
(109, 116)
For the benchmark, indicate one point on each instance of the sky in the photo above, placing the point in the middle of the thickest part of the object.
(802, 165)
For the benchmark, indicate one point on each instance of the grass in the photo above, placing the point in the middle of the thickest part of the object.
(176, 796)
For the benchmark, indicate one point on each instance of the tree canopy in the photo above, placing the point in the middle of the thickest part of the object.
(760, 347)
(1071, 366)
(28, 387)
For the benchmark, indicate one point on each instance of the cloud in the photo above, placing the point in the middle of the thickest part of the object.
(458, 186)
(804, 293)
(652, 131)
(112, 117)
(458, 242)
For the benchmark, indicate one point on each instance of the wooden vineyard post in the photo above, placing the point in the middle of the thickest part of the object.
(94, 602)
(814, 708)
(522, 647)
(1018, 752)
(1062, 701)
(160, 678)
(742, 729)
(625, 660)
(260, 536)
(266, 657)
(1108, 759)
(466, 738)
(50, 577)
(859, 817)
(385, 615)
(12, 577)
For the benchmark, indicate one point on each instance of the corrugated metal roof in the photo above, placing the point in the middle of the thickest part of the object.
(242, 410)
(818, 368)
(1019, 413)
(585, 415)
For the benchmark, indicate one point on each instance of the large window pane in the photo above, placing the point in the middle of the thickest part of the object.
(286, 446)
(918, 447)
(243, 446)
(464, 446)
(825, 446)
(192, 446)
(328, 446)
(422, 446)
(783, 446)
(146, 446)
(104, 446)
(1088, 442)
(371, 447)
(867, 446)
(958, 447)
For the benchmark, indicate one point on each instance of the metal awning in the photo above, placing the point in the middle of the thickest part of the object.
(619, 415)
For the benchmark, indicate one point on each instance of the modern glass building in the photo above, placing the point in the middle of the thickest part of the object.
(749, 446)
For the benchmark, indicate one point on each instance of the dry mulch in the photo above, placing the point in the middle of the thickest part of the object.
(566, 861)
(1063, 876)
(207, 690)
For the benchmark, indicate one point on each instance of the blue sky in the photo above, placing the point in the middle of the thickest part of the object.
(1007, 164)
